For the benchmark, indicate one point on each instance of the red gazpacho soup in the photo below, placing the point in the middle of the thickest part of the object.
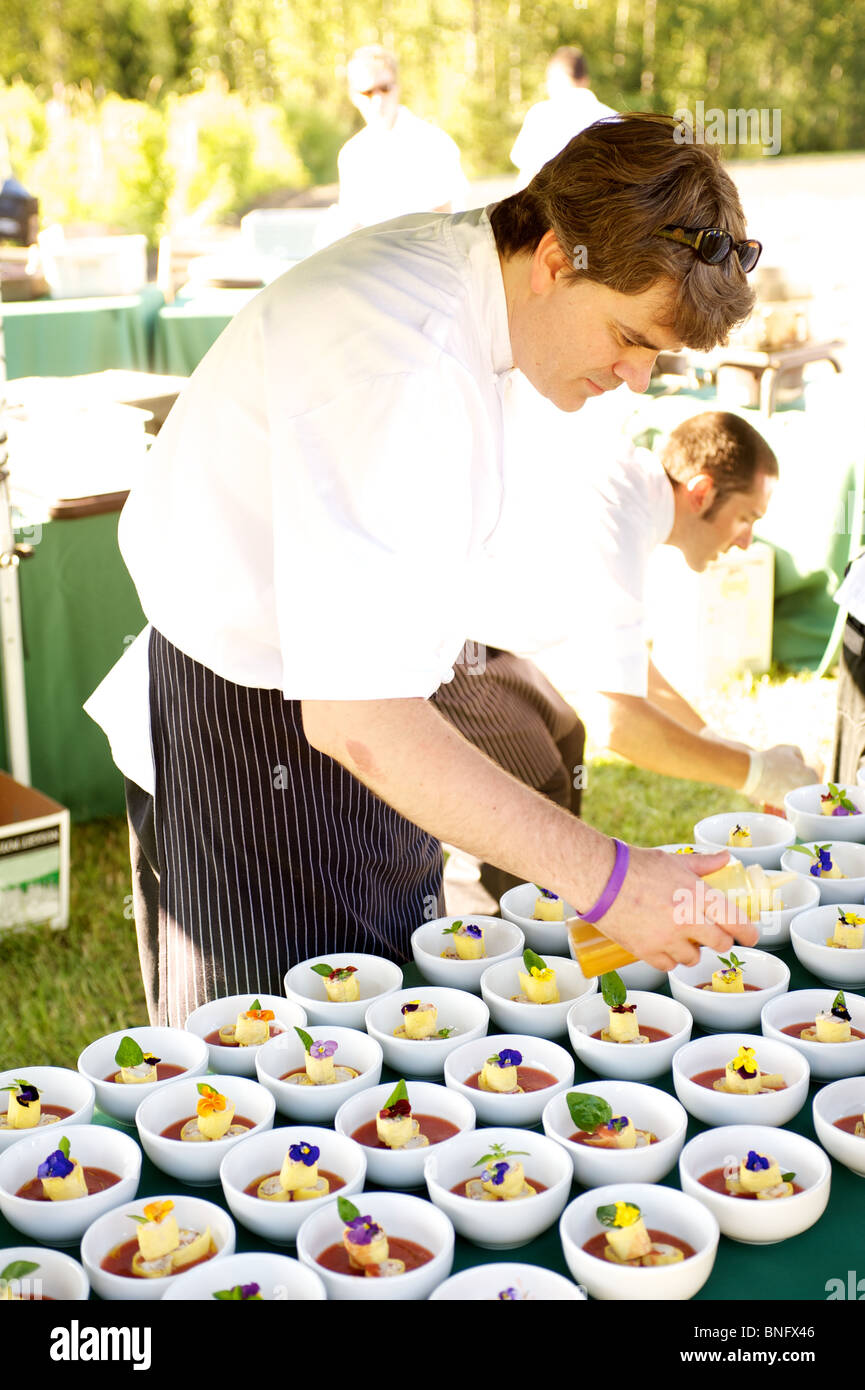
(432, 1127)
(174, 1131)
(164, 1072)
(598, 1244)
(216, 1041)
(708, 1079)
(716, 1182)
(335, 1257)
(529, 1078)
(653, 1034)
(335, 1182)
(97, 1179)
(795, 1030)
(849, 1123)
(119, 1260)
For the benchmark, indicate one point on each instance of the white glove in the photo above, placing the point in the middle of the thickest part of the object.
(776, 771)
(710, 734)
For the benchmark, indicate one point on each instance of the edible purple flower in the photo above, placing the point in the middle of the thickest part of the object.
(26, 1094)
(304, 1153)
(509, 1295)
(363, 1230)
(472, 930)
(409, 1008)
(618, 1122)
(823, 864)
(56, 1165)
(250, 1291)
(323, 1049)
(496, 1174)
(508, 1057)
(755, 1162)
(545, 893)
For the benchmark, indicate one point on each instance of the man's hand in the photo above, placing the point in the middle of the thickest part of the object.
(664, 912)
(776, 771)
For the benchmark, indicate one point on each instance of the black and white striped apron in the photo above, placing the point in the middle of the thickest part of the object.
(264, 850)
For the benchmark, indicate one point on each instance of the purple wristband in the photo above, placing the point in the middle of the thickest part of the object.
(614, 883)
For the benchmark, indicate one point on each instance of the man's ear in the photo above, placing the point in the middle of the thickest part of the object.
(548, 263)
(701, 493)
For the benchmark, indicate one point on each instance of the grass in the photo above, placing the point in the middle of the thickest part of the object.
(60, 990)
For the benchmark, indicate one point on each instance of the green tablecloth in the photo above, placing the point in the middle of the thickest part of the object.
(67, 337)
(78, 607)
(796, 1269)
(186, 330)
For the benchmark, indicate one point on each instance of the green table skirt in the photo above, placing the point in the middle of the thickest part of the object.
(186, 330)
(68, 337)
(797, 1269)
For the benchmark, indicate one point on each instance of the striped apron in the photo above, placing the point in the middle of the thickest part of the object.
(257, 851)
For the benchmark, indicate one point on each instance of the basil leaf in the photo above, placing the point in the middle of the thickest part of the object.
(787, 1177)
(256, 1004)
(533, 961)
(19, 1269)
(63, 1146)
(347, 1210)
(588, 1111)
(452, 929)
(322, 969)
(128, 1054)
(613, 990)
(606, 1215)
(304, 1038)
(399, 1092)
(229, 1293)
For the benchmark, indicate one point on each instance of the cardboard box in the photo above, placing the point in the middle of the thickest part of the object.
(34, 859)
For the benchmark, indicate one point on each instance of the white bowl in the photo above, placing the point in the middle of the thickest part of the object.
(770, 836)
(465, 1013)
(803, 811)
(836, 1102)
(317, 1104)
(843, 968)
(749, 1221)
(63, 1223)
(116, 1227)
(719, 1107)
(502, 940)
(56, 1086)
(828, 1061)
(797, 895)
(850, 859)
(279, 1222)
(629, 1061)
(402, 1168)
(376, 977)
(500, 982)
(486, 1283)
(493, 1109)
(198, 1163)
(172, 1045)
(500, 1225)
(647, 1107)
(280, 1279)
(58, 1276)
(517, 906)
(407, 1218)
(726, 1012)
(663, 1209)
(219, 1013)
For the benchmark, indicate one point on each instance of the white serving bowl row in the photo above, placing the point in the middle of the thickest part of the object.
(56, 1086)
(64, 1223)
(402, 1168)
(716, 1010)
(713, 1107)
(317, 1104)
(198, 1163)
(58, 1275)
(842, 967)
(219, 1013)
(503, 940)
(376, 977)
(492, 1108)
(827, 1061)
(173, 1045)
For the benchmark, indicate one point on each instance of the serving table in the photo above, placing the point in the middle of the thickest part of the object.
(65, 337)
(187, 329)
(796, 1269)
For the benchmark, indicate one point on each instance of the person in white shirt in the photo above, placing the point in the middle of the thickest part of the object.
(550, 124)
(703, 495)
(398, 163)
(306, 540)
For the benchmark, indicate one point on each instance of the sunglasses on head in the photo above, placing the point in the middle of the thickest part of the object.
(381, 89)
(713, 245)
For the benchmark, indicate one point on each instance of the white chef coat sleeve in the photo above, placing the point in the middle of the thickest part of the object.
(369, 590)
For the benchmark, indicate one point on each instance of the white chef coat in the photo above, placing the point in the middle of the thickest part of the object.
(314, 506)
(549, 125)
(413, 167)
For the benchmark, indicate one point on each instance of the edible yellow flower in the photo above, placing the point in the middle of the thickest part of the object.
(851, 920)
(626, 1215)
(745, 1060)
(543, 975)
(211, 1102)
(155, 1211)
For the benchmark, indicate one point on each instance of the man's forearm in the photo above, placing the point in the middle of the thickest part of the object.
(650, 738)
(416, 761)
(668, 700)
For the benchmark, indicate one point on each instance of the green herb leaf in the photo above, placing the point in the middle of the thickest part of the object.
(256, 1004)
(128, 1054)
(445, 1032)
(733, 963)
(229, 1294)
(205, 1090)
(305, 1039)
(63, 1146)
(347, 1210)
(607, 1215)
(452, 929)
(533, 961)
(19, 1269)
(787, 1177)
(803, 849)
(323, 970)
(142, 1220)
(496, 1151)
(613, 990)
(399, 1092)
(588, 1111)
(619, 1123)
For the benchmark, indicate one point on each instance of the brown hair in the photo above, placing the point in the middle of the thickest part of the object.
(572, 60)
(606, 195)
(724, 447)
